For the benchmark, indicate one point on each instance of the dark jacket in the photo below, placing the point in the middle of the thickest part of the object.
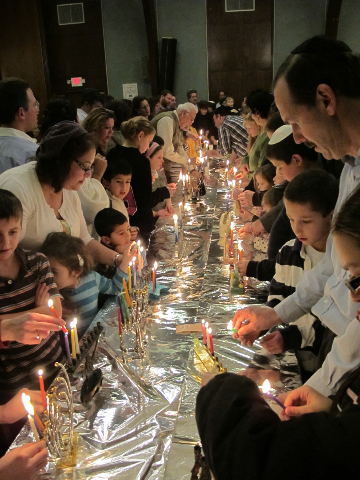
(203, 122)
(141, 183)
(244, 439)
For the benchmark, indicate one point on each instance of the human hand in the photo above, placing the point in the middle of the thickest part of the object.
(242, 267)
(14, 410)
(257, 318)
(99, 165)
(128, 253)
(245, 228)
(273, 343)
(172, 190)
(26, 328)
(258, 211)
(172, 185)
(247, 237)
(41, 295)
(24, 462)
(134, 231)
(162, 213)
(245, 214)
(305, 400)
(170, 209)
(246, 199)
(245, 168)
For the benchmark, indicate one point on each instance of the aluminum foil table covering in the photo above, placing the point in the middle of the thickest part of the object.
(141, 424)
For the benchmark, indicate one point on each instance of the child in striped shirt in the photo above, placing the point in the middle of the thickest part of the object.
(78, 283)
(309, 200)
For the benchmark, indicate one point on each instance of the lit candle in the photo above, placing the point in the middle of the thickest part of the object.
(187, 180)
(175, 217)
(266, 391)
(42, 388)
(230, 327)
(207, 334)
(203, 330)
(30, 409)
(232, 226)
(154, 276)
(239, 250)
(189, 165)
(140, 250)
(73, 349)
(201, 132)
(56, 315)
(235, 170)
(67, 348)
(227, 162)
(211, 341)
(226, 173)
(180, 214)
(77, 348)
(233, 185)
(128, 300)
(129, 274)
(134, 270)
(180, 177)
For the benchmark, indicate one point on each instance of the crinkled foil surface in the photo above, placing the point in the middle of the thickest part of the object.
(141, 425)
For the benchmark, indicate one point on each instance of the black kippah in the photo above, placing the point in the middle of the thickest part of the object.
(321, 44)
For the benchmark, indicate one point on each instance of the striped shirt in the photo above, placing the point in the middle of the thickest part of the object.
(233, 136)
(19, 363)
(85, 296)
(292, 261)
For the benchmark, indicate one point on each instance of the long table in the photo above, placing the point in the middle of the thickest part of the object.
(141, 424)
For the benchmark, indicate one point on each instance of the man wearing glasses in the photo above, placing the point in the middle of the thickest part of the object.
(19, 112)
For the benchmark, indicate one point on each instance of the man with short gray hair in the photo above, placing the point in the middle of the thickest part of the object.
(170, 126)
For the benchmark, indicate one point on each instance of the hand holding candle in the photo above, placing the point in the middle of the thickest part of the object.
(52, 308)
(230, 327)
(266, 387)
(30, 409)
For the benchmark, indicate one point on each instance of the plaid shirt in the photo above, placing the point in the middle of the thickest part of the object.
(233, 136)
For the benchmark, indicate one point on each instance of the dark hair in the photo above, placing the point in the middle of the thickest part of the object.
(164, 92)
(274, 122)
(316, 187)
(260, 101)
(13, 95)
(285, 149)
(56, 111)
(152, 102)
(267, 171)
(203, 104)
(69, 251)
(10, 206)
(92, 96)
(320, 60)
(136, 104)
(118, 167)
(189, 92)
(121, 111)
(157, 139)
(346, 221)
(107, 220)
(54, 169)
(273, 196)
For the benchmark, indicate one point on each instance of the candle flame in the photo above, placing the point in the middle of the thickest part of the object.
(210, 330)
(229, 325)
(134, 259)
(266, 386)
(130, 264)
(201, 132)
(206, 324)
(232, 225)
(180, 204)
(233, 182)
(155, 265)
(138, 242)
(141, 249)
(235, 169)
(50, 303)
(40, 372)
(72, 325)
(74, 321)
(202, 321)
(175, 217)
(227, 162)
(27, 405)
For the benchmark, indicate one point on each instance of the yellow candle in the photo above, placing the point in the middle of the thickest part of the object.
(127, 296)
(77, 348)
(73, 349)
(129, 273)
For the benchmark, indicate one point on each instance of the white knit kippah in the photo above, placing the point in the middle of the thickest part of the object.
(280, 134)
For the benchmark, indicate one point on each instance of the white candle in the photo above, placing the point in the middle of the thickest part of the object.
(175, 217)
(139, 256)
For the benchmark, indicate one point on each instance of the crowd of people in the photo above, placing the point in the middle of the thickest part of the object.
(80, 190)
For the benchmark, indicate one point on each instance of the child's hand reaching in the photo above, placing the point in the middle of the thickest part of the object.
(127, 257)
(42, 296)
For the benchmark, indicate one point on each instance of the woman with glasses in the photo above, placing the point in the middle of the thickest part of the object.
(321, 437)
(48, 186)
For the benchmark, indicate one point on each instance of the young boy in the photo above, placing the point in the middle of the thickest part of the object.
(26, 284)
(309, 201)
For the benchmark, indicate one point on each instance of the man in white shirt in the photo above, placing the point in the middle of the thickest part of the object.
(19, 112)
(90, 99)
(317, 91)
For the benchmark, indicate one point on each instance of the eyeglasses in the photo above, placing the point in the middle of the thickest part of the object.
(353, 284)
(86, 170)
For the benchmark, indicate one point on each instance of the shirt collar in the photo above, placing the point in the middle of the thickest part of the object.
(13, 132)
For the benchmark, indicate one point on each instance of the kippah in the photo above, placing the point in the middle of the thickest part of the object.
(321, 44)
(57, 137)
(222, 110)
(280, 134)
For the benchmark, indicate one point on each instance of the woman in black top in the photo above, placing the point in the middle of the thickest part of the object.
(138, 133)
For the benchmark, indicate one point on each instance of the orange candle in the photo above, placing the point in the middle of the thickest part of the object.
(42, 389)
(232, 232)
(126, 293)
(56, 315)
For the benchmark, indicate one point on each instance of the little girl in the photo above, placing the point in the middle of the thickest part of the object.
(78, 283)
(263, 180)
(155, 156)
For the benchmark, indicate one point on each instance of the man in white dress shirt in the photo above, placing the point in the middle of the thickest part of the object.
(90, 99)
(19, 112)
